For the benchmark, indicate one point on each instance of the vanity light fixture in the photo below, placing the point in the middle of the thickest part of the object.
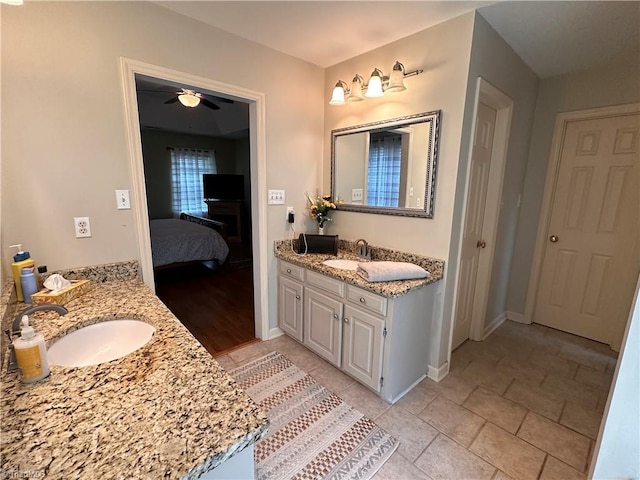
(189, 98)
(378, 85)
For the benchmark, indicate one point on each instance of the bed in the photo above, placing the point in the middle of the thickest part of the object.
(189, 239)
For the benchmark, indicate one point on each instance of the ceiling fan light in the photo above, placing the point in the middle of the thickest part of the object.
(189, 100)
(374, 88)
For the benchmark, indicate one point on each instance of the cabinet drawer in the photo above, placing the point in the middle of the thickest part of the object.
(292, 271)
(328, 284)
(367, 300)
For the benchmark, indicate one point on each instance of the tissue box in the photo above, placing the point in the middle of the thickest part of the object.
(46, 296)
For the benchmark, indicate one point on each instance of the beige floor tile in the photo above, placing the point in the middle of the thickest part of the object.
(413, 433)
(478, 351)
(487, 376)
(563, 337)
(596, 378)
(582, 420)
(554, 364)
(522, 370)
(501, 476)
(282, 344)
(561, 442)
(399, 468)
(332, 378)
(445, 459)
(511, 455)
(496, 409)
(554, 469)
(364, 400)
(452, 419)
(417, 398)
(453, 387)
(568, 389)
(534, 399)
(248, 353)
(226, 362)
(584, 356)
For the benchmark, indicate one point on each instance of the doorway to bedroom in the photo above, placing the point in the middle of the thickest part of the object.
(197, 174)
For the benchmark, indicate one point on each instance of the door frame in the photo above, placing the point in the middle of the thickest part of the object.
(257, 140)
(561, 123)
(503, 104)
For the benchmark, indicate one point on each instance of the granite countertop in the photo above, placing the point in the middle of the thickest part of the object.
(167, 410)
(346, 250)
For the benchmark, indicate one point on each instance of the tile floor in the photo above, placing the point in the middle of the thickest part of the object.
(524, 404)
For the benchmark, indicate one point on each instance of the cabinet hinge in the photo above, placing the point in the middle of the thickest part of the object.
(381, 381)
(384, 332)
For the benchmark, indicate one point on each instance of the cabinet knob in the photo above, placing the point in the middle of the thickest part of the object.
(335, 315)
(297, 297)
(288, 270)
(362, 300)
(554, 238)
(345, 320)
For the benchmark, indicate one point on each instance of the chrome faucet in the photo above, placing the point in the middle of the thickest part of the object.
(15, 329)
(362, 249)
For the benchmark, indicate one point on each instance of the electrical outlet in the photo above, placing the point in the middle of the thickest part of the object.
(82, 227)
(356, 194)
(290, 210)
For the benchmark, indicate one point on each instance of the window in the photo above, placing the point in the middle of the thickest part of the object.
(383, 171)
(187, 167)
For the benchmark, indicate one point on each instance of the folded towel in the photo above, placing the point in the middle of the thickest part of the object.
(388, 271)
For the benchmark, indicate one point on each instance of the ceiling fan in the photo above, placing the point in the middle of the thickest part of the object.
(191, 98)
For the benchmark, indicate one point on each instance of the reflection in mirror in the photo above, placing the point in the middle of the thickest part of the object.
(388, 166)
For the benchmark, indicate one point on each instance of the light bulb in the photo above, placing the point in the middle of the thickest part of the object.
(189, 99)
(337, 96)
(374, 88)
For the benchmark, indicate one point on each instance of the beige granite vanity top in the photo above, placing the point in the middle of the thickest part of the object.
(167, 410)
(346, 250)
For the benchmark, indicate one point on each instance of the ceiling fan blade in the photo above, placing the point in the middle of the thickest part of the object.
(209, 104)
(223, 100)
(172, 100)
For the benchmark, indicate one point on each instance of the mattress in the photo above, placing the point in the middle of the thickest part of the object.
(175, 241)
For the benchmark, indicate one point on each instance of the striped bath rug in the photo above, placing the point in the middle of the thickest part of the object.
(313, 433)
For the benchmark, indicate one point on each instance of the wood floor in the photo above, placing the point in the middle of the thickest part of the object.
(216, 306)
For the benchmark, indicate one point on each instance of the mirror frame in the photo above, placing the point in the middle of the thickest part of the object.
(434, 117)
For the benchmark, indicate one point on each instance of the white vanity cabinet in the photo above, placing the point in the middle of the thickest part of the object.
(381, 342)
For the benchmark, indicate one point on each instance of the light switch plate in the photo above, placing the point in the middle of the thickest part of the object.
(276, 197)
(122, 200)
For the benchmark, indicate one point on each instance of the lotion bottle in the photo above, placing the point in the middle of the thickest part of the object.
(28, 283)
(20, 260)
(31, 353)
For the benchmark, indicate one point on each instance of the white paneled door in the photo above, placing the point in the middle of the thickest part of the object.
(592, 257)
(473, 242)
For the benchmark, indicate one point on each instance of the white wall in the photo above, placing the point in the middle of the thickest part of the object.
(443, 51)
(613, 85)
(63, 138)
(617, 451)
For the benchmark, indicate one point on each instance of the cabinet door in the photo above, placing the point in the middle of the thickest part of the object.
(290, 307)
(322, 325)
(363, 341)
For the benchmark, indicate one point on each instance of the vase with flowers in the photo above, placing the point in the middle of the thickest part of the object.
(319, 209)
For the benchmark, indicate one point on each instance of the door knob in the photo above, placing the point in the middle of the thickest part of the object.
(554, 238)
(481, 244)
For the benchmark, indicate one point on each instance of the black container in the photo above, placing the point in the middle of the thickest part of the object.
(318, 244)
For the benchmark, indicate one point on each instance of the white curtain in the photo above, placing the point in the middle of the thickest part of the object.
(383, 174)
(187, 167)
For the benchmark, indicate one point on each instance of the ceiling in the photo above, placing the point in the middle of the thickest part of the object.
(552, 37)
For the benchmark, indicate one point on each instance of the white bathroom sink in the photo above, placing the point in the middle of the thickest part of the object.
(342, 264)
(100, 342)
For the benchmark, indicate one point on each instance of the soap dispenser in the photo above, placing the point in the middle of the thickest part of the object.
(31, 353)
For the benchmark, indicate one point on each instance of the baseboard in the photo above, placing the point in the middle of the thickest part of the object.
(495, 323)
(437, 374)
(274, 333)
(517, 317)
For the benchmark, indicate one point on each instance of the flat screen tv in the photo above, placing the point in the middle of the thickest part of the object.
(221, 186)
